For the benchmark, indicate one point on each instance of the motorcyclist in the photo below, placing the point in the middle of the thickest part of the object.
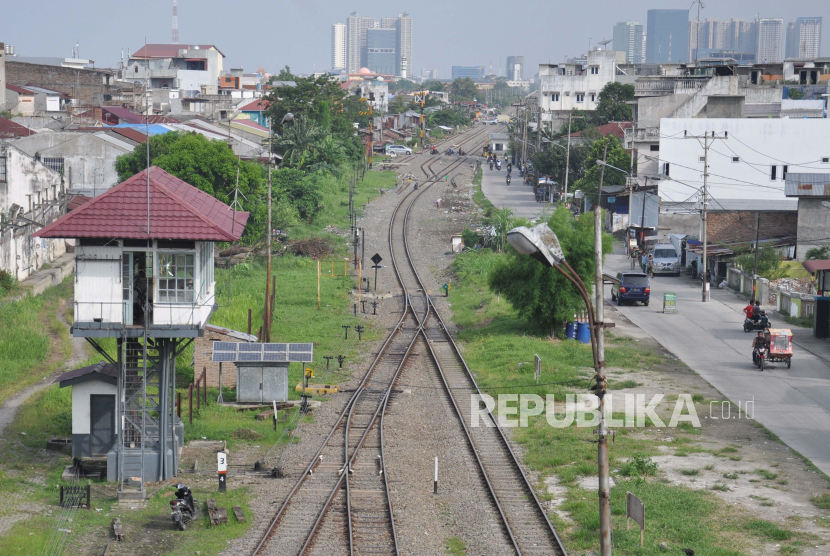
(749, 309)
(759, 344)
(756, 311)
(763, 320)
(491, 164)
(507, 178)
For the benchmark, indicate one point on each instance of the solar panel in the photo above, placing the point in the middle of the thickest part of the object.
(238, 351)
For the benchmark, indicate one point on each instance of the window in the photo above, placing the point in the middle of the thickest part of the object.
(825, 159)
(554, 97)
(736, 159)
(55, 164)
(593, 97)
(205, 268)
(654, 148)
(175, 278)
(580, 97)
(594, 70)
(772, 171)
(3, 168)
(784, 172)
(666, 168)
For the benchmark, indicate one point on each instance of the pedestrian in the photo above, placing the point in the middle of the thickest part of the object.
(634, 256)
(650, 266)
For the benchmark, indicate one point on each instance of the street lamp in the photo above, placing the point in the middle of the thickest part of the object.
(288, 117)
(542, 244)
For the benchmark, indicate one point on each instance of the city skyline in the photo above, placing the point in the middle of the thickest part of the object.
(303, 36)
(388, 53)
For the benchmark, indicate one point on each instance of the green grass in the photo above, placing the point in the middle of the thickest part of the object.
(821, 501)
(455, 546)
(54, 401)
(26, 341)
(769, 530)
(802, 322)
(690, 472)
(768, 475)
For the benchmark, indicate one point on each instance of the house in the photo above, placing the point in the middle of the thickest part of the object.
(498, 142)
(13, 130)
(813, 193)
(203, 351)
(31, 194)
(144, 276)
(181, 67)
(256, 111)
(86, 160)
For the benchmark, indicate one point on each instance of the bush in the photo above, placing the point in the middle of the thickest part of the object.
(470, 238)
(7, 282)
(640, 465)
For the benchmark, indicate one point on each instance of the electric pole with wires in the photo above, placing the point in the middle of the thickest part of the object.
(708, 139)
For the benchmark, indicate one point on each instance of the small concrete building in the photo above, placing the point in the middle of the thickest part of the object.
(813, 193)
(498, 142)
(94, 392)
(203, 351)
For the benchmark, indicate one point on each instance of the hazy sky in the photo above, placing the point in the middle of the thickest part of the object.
(298, 33)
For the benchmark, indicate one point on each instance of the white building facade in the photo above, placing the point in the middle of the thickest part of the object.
(749, 161)
(770, 41)
(338, 46)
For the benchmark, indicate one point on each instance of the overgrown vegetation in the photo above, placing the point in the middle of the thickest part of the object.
(769, 262)
(7, 283)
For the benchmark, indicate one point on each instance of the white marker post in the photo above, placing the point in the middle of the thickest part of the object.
(222, 461)
(435, 481)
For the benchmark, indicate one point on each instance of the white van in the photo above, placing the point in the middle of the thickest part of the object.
(666, 259)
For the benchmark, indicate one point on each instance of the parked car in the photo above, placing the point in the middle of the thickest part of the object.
(631, 286)
(398, 149)
(666, 259)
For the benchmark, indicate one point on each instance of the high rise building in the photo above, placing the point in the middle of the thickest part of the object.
(473, 72)
(713, 35)
(356, 28)
(744, 35)
(403, 27)
(338, 46)
(770, 41)
(629, 38)
(791, 51)
(515, 68)
(668, 36)
(381, 51)
(809, 37)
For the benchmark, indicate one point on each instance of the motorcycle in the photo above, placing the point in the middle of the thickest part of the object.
(751, 325)
(491, 165)
(498, 166)
(185, 508)
(508, 179)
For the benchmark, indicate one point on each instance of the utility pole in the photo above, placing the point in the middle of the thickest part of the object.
(630, 180)
(568, 154)
(538, 124)
(268, 319)
(708, 138)
(755, 266)
(599, 330)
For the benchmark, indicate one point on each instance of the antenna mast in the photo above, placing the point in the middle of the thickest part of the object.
(175, 22)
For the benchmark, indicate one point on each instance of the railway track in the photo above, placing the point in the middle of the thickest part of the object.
(341, 502)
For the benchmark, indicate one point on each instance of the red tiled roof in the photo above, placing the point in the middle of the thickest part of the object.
(177, 211)
(609, 129)
(19, 90)
(77, 201)
(129, 133)
(169, 50)
(258, 105)
(123, 114)
(250, 123)
(812, 266)
(160, 120)
(9, 128)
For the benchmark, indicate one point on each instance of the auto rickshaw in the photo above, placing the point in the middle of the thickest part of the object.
(780, 346)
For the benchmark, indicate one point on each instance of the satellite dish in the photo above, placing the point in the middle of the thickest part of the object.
(603, 43)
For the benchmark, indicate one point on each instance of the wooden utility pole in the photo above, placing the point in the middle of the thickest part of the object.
(602, 445)
(538, 124)
(755, 266)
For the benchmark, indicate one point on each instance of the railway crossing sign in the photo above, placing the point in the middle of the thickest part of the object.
(376, 258)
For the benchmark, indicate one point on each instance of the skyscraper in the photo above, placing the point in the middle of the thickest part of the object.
(668, 36)
(770, 41)
(515, 68)
(791, 51)
(338, 46)
(403, 27)
(381, 51)
(809, 37)
(628, 38)
(356, 28)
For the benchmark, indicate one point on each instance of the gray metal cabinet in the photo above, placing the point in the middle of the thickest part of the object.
(260, 383)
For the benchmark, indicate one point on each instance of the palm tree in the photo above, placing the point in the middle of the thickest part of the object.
(328, 153)
(296, 141)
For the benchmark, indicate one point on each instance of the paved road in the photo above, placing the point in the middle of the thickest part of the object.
(792, 403)
(516, 196)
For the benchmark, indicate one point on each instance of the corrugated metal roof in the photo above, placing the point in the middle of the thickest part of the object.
(123, 114)
(807, 185)
(177, 211)
(99, 371)
(126, 147)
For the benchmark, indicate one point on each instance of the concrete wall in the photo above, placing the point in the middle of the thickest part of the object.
(813, 225)
(3, 77)
(678, 223)
(92, 86)
(89, 161)
(759, 144)
(739, 226)
(80, 402)
(39, 191)
(724, 106)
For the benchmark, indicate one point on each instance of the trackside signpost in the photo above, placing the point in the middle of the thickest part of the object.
(222, 464)
(636, 510)
(669, 302)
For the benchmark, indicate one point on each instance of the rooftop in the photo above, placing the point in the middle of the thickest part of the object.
(259, 105)
(106, 372)
(9, 128)
(177, 211)
(169, 50)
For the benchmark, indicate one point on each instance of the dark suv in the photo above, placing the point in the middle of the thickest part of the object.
(631, 286)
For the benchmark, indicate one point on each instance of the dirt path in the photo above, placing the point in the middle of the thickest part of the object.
(9, 409)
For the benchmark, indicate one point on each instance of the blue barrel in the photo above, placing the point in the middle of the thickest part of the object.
(583, 333)
(570, 330)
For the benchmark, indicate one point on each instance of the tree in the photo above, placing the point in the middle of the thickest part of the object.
(297, 141)
(769, 261)
(579, 121)
(284, 75)
(397, 105)
(818, 253)
(502, 222)
(612, 105)
(541, 294)
(551, 162)
(617, 156)
(300, 190)
(207, 164)
(433, 85)
(463, 89)
(402, 85)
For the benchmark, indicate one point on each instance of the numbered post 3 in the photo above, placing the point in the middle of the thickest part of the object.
(222, 465)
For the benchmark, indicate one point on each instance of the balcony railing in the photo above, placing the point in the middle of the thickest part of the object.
(116, 315)
(667, 85)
